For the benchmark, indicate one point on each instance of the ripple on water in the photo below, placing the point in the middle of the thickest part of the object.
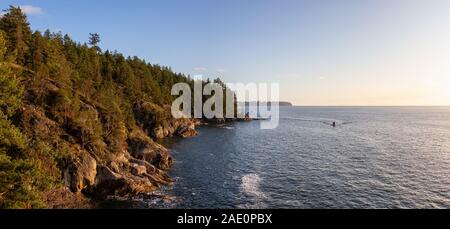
(374, 158)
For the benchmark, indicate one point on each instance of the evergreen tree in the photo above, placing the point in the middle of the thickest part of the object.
(16, 173)
(10, 88)
(93, 99)
(14, 23)
(94, 40)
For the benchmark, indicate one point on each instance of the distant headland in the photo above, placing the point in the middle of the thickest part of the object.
(256, 103)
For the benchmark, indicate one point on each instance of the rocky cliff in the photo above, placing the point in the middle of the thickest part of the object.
(139, 168)
(79, 123)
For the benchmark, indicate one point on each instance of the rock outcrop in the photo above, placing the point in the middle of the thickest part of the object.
(144, 148)
(149, 113)
(138, 169)
(186, 132)
(123, 175)
(179, 127)
(81, 172)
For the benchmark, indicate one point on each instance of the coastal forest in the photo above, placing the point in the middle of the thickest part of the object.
(78, 123)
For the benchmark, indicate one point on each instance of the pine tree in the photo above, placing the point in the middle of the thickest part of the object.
(10, 88)
(93, 99)
(94, 40)
(14, 23)
(16, 173)
(37, 52)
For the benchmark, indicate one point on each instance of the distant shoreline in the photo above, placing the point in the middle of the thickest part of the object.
(380, 106)
(255, 103)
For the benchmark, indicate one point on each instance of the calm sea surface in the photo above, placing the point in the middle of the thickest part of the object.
(374, 158)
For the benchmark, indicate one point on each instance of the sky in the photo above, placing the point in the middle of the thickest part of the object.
(321, 52)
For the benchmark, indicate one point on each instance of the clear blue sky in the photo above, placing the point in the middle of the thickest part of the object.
(335, 52)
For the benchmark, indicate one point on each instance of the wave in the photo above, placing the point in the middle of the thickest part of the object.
(228, 127)
(251, 186)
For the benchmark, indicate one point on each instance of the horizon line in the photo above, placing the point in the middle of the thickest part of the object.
(296, 105)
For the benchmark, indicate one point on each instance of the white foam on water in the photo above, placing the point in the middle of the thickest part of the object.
(251, 186)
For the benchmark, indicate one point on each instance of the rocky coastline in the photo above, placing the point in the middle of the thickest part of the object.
(79, 124)
(141, 169)
(92, 171)
(89, 176)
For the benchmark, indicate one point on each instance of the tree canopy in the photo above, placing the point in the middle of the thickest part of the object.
(59, 97)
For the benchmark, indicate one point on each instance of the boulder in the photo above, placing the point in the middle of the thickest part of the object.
(144, 148)
(186, 129)
(81, 172)
(158, 133)
(166, 132)
(163, 161)
(175, 127)
(108, 182)
(186, 132)
(153, 173)
(114, 166)
(111, 183)
(138, 170)
(170, 130)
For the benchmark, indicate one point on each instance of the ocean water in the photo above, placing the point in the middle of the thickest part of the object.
(376, 157)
